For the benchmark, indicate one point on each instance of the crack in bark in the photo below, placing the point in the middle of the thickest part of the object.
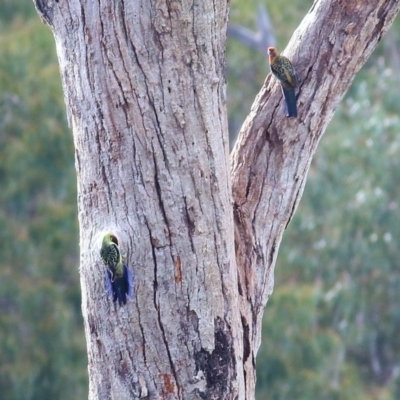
(150, 99)
(160, 323)
(189, 224)
(143, 336)
(159, 195)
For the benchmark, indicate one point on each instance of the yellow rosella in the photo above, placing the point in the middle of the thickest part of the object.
(283, 70)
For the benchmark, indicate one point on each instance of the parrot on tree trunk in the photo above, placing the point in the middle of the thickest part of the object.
(283, 70)
(118, 277)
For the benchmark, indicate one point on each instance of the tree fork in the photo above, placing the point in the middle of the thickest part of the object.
(145, 94)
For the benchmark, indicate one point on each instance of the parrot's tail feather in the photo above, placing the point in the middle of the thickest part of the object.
(290, 102)
(108, 284)
(120, 288)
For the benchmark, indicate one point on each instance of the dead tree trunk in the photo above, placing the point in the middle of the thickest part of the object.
(145, 93)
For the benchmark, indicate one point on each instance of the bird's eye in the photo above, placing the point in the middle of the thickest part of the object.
(114, 239)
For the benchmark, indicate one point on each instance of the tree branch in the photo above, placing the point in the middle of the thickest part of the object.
(272, 154)
(259, 40)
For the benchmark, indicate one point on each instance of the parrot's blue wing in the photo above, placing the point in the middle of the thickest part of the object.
(108, 284)
(130, 281)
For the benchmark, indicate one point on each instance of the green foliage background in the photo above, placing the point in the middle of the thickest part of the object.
(41, 331)
(331, 325)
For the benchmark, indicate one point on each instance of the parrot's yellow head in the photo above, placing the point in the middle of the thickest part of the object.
(110, 237)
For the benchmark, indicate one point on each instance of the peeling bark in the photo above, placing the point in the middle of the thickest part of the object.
(145, 94)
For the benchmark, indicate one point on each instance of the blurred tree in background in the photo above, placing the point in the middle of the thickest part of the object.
(41, 333)
(331, 326)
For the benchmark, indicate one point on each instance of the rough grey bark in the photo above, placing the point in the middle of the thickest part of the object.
(145, 93)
